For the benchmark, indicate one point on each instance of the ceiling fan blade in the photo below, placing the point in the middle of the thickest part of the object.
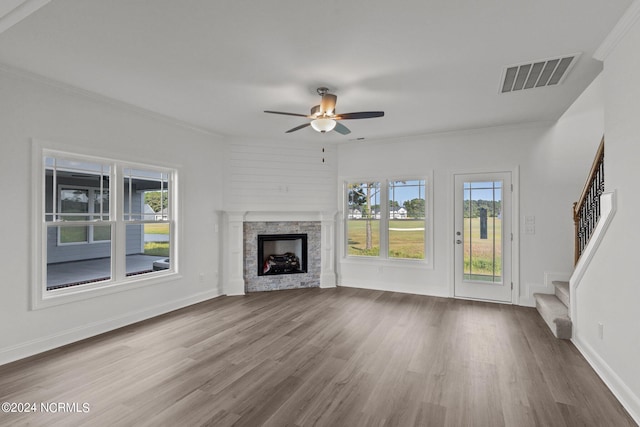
(298, 128)
(360, 115)
(287, 114)
(341, 129)
(328, 103)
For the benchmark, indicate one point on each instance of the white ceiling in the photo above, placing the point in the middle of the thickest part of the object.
(431, 65)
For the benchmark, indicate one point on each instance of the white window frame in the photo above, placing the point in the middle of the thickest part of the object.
(119, 282)
(384, 220)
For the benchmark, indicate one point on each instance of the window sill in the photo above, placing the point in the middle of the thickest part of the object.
(93, 242)
(84, 292)
(387, 262)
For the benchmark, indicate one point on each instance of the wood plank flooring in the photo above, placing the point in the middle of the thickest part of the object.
(332, 357)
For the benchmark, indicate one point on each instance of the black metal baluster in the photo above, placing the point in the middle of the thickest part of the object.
(587, 210)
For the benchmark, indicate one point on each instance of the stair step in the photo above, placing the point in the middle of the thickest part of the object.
(562, 291)
(555, 314)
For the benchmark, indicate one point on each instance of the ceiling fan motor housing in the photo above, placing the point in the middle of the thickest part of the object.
(328, 104)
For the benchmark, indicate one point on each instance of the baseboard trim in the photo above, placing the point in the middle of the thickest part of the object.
(620, 390)
(40, 345)
(328, 280)
(528, 300)
(444, 293)
(380, 286)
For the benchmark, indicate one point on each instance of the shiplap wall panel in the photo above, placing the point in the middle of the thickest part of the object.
(280, 175)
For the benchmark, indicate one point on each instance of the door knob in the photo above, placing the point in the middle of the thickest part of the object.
(458, 241)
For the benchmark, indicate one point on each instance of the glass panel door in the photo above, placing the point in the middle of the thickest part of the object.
(483, 236)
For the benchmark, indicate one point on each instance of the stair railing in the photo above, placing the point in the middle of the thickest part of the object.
(586, 211)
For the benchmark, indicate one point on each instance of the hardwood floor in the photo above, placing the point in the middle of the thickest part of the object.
(333, 357)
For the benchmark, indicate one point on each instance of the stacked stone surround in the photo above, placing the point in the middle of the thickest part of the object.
(310, 279)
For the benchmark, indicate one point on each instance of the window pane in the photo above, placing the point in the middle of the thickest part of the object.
(74, 234)
(407, 219)
(76, 166)
(146, 195)
(483, 231)
(155, 205)
(363, 219)
(101, 204)
(69, 188)
(74, 201)
(73, 265)
(148, 248)
(101, 233)
(482, 185)
(101, 212)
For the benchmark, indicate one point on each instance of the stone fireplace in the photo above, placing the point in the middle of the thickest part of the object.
(254, 281)
(305, 240)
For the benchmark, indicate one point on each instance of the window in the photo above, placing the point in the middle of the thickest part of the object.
(407, 219)
(101, 223)
(363, 230)
(147, 219)
(395, 229)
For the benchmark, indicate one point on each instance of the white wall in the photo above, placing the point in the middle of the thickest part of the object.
(30, 108)
(560, 164)
(552, 159)
(283, 175)
(609, 292)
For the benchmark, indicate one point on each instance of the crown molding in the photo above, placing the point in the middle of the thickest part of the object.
(18, 13)
(618, 32)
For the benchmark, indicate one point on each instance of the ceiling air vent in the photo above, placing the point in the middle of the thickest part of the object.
(545, 72)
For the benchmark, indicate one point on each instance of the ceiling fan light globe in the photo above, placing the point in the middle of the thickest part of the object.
(323, 125)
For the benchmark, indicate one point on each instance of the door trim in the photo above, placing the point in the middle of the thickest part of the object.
(515, 227)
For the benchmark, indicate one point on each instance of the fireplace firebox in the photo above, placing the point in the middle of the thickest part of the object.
(282, 254)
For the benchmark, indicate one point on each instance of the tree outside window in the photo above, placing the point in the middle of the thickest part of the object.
(363, 229)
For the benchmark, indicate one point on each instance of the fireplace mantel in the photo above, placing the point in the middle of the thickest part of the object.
(233, 244)
(269, 216)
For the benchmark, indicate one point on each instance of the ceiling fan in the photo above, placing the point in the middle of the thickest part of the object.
(324, 117)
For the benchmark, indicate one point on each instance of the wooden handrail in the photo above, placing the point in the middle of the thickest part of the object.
(586, 211)
(594, 168)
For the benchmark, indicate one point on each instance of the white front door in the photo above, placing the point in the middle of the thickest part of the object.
(483, 236)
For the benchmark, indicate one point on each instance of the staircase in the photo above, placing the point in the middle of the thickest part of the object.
(554, 309)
